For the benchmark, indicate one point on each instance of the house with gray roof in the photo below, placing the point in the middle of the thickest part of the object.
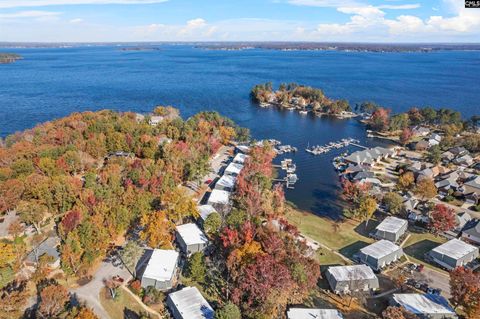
(189, 303)
(379, 254)
(454, 253)
(472, 186)
(48, 247)
(465, 160)
(205, 211)
(391, 228)
(226, 183)
(461, 220)
(424, 306)
(369, 157)
(471, 231)
(313, 313)
(347, 279)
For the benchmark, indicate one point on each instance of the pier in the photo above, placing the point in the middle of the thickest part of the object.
(317, 150)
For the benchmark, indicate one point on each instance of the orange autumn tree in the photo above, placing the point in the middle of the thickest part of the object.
(157, 230)
(465, 291)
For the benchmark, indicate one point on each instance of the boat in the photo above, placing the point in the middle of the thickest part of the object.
(292, 178)
(303, 112)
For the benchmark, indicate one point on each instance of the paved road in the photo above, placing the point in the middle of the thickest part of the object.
(89, 293)
(437, 279)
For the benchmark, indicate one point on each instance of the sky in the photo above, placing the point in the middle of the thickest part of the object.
(238, 20)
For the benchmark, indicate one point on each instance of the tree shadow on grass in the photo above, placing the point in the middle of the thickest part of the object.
(352, 249)
(365, 228)
(419, 249)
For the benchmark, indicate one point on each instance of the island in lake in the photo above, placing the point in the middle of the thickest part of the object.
(9, 58)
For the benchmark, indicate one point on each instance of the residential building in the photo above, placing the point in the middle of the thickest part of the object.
(240, 158)
(233, 169)
(472, 186)
(391, 228)
(346, 279)
(465, 160)
(191, 239)
(189, 303)
(424, 306)
(454, 253)
(313, 313)
(48, 247)
(155, 120)
(471, 231)
(205, 211)
(219, 199)
(434, 139)
(380, 254)
(458, 151)
(161, 269)
(369, 157)
(226, 183)
(420, 131)
(462, 219)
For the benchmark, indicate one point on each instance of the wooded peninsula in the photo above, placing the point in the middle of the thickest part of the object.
(9, 58)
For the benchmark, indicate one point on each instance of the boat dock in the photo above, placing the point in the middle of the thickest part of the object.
(319, 149)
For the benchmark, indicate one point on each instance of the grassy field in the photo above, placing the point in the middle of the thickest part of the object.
(347, 238)
(123, 307)
(418, 244)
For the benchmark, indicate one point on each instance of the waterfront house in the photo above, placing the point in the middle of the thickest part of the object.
(233, 169)
(379, 254)
(391, 228)
(161, 270)
(139, 117)
(240, 158)
(205, 211)
(454, 253)
(313, 313)
(346, 279)
(226, 183)
(155, 120)
(191, 239)
(48, 247)
(369, 157)
(189, 303)
(219, 199)
(424, 306)
(471, 231)
(420, 131)
(242, 149)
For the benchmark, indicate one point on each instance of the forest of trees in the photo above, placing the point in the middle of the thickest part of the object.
(299, 96)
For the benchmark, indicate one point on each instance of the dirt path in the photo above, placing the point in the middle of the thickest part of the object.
(144, 306)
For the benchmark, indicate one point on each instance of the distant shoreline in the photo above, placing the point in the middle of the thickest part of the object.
(7, 58)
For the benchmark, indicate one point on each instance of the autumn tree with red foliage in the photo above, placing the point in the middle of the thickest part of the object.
(442, 219)
(380, 119)
(465, 291)
(406, 135)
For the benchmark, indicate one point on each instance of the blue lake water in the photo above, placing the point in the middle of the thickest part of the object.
(51, 83)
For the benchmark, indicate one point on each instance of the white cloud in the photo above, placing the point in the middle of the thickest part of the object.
(29, 14)
(400, 6)
(76, 21)
(324, 3)
(42, 3)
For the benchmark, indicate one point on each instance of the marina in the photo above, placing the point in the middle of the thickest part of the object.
(321, 149)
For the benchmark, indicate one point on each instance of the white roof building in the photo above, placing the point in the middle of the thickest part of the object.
(219, 197)
(391, 224)
(425, 305)
(189, 303)
(233, 169)
(313, 313)
(226, 182)
(455, 248)
(155, 119)
(191, 234)
(240, 158)
(380, 249)
(162, 265)
(205, 211)
(355, 272)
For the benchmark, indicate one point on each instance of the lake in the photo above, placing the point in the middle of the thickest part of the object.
(53, 82)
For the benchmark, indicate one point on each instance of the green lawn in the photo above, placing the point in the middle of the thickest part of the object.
(347, 239)
(418, 244)
(122, 307)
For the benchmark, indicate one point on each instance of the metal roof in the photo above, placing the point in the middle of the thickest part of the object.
(206, 210)
(191, 234)
(355, 272)
(380, 249)
(313, 313)
(227, 181)
(240, 158)
(191, 304)
(218, 196)
(391, 224)
(455, 248)
(233, 168)
(161, 265)
(423, 303)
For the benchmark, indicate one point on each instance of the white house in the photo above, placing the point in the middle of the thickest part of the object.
(454, 253)
(191, 239)
(161, 269)
(424, 305)
(189, 303)
(240, 158)
(233, 169)
(205, 211)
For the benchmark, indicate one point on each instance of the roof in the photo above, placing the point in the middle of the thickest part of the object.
(369, 155)
(455, 248)
(472, 227)
(191, 304)
(191, 234)
(391, 224)
(362, 175)
(218, 196)
(205, 211)
(243, 148)
(48, 246)
(380, 249)
(161, 265)
(240, 158)
(423, 303)
(233, 168)
(313, 313)
(474, 182)
(227, 181)
(458, 150)
(355, 272)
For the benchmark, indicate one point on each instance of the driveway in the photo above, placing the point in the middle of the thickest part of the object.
(90, 292)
